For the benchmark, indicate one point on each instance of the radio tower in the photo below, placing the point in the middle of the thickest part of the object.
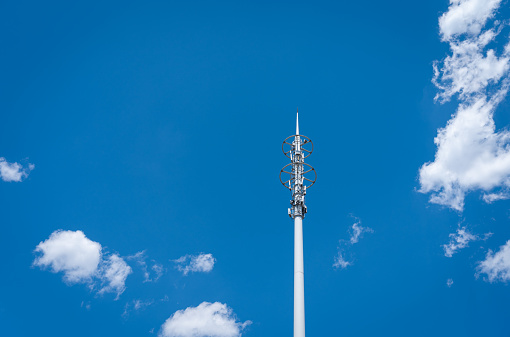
(297, 182)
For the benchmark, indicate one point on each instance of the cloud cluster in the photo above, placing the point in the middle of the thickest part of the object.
(471, 155)
(14, 171)
(497, 265)
(206, 320)
(195, 263)
(81, 260)
(356, 233)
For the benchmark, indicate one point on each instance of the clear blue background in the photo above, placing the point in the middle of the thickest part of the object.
(157, 126)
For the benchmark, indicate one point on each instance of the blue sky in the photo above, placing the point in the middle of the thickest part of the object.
(140, 147)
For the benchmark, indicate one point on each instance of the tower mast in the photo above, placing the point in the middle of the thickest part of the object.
(297, 184)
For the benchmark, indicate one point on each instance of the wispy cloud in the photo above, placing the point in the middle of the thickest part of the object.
(496, 265)
(81, 260)
(206, 320)
(136, 305)
(340, 261)
(113, 274)
(449, 283)
(14, 171)
(458, 240)
(356, 233)
(470, 154)
(491, 197)
(195, 263)
(157, 269)
(85, 305)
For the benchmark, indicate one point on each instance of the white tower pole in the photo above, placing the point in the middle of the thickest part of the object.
(297, 182)
(299, 272)
(299, 281)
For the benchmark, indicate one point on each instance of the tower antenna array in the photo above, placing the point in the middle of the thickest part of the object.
(297, 176)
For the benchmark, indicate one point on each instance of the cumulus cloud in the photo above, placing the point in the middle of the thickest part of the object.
(449, 283)
(81, 260)
(195, 263)
(157, 269)
(206, 320)
(71, 253)
(458, 240)
(470, 68)
(356, 233)
(471, 155)
(496, 265)
(466, 16)
(14, 171)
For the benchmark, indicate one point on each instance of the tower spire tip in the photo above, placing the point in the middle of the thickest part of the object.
(297, 122)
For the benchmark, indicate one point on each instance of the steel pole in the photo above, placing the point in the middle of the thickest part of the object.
(299, 282)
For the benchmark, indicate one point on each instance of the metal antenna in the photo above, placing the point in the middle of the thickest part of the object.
(300, 177)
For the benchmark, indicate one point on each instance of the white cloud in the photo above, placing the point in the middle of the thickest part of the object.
(195, 263)
(458, 240)
(85, 305)
(340, 261)
(139, 304)
(471, 155)
(113, 274)
(157, 269)
(136, 305)
(449, 282)
(491, 197)
(82, 261)
(14, 171)
(497, 265)
(466, 17)
(71, 253)
(356, 233)
(470, 68)
(206, 320)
